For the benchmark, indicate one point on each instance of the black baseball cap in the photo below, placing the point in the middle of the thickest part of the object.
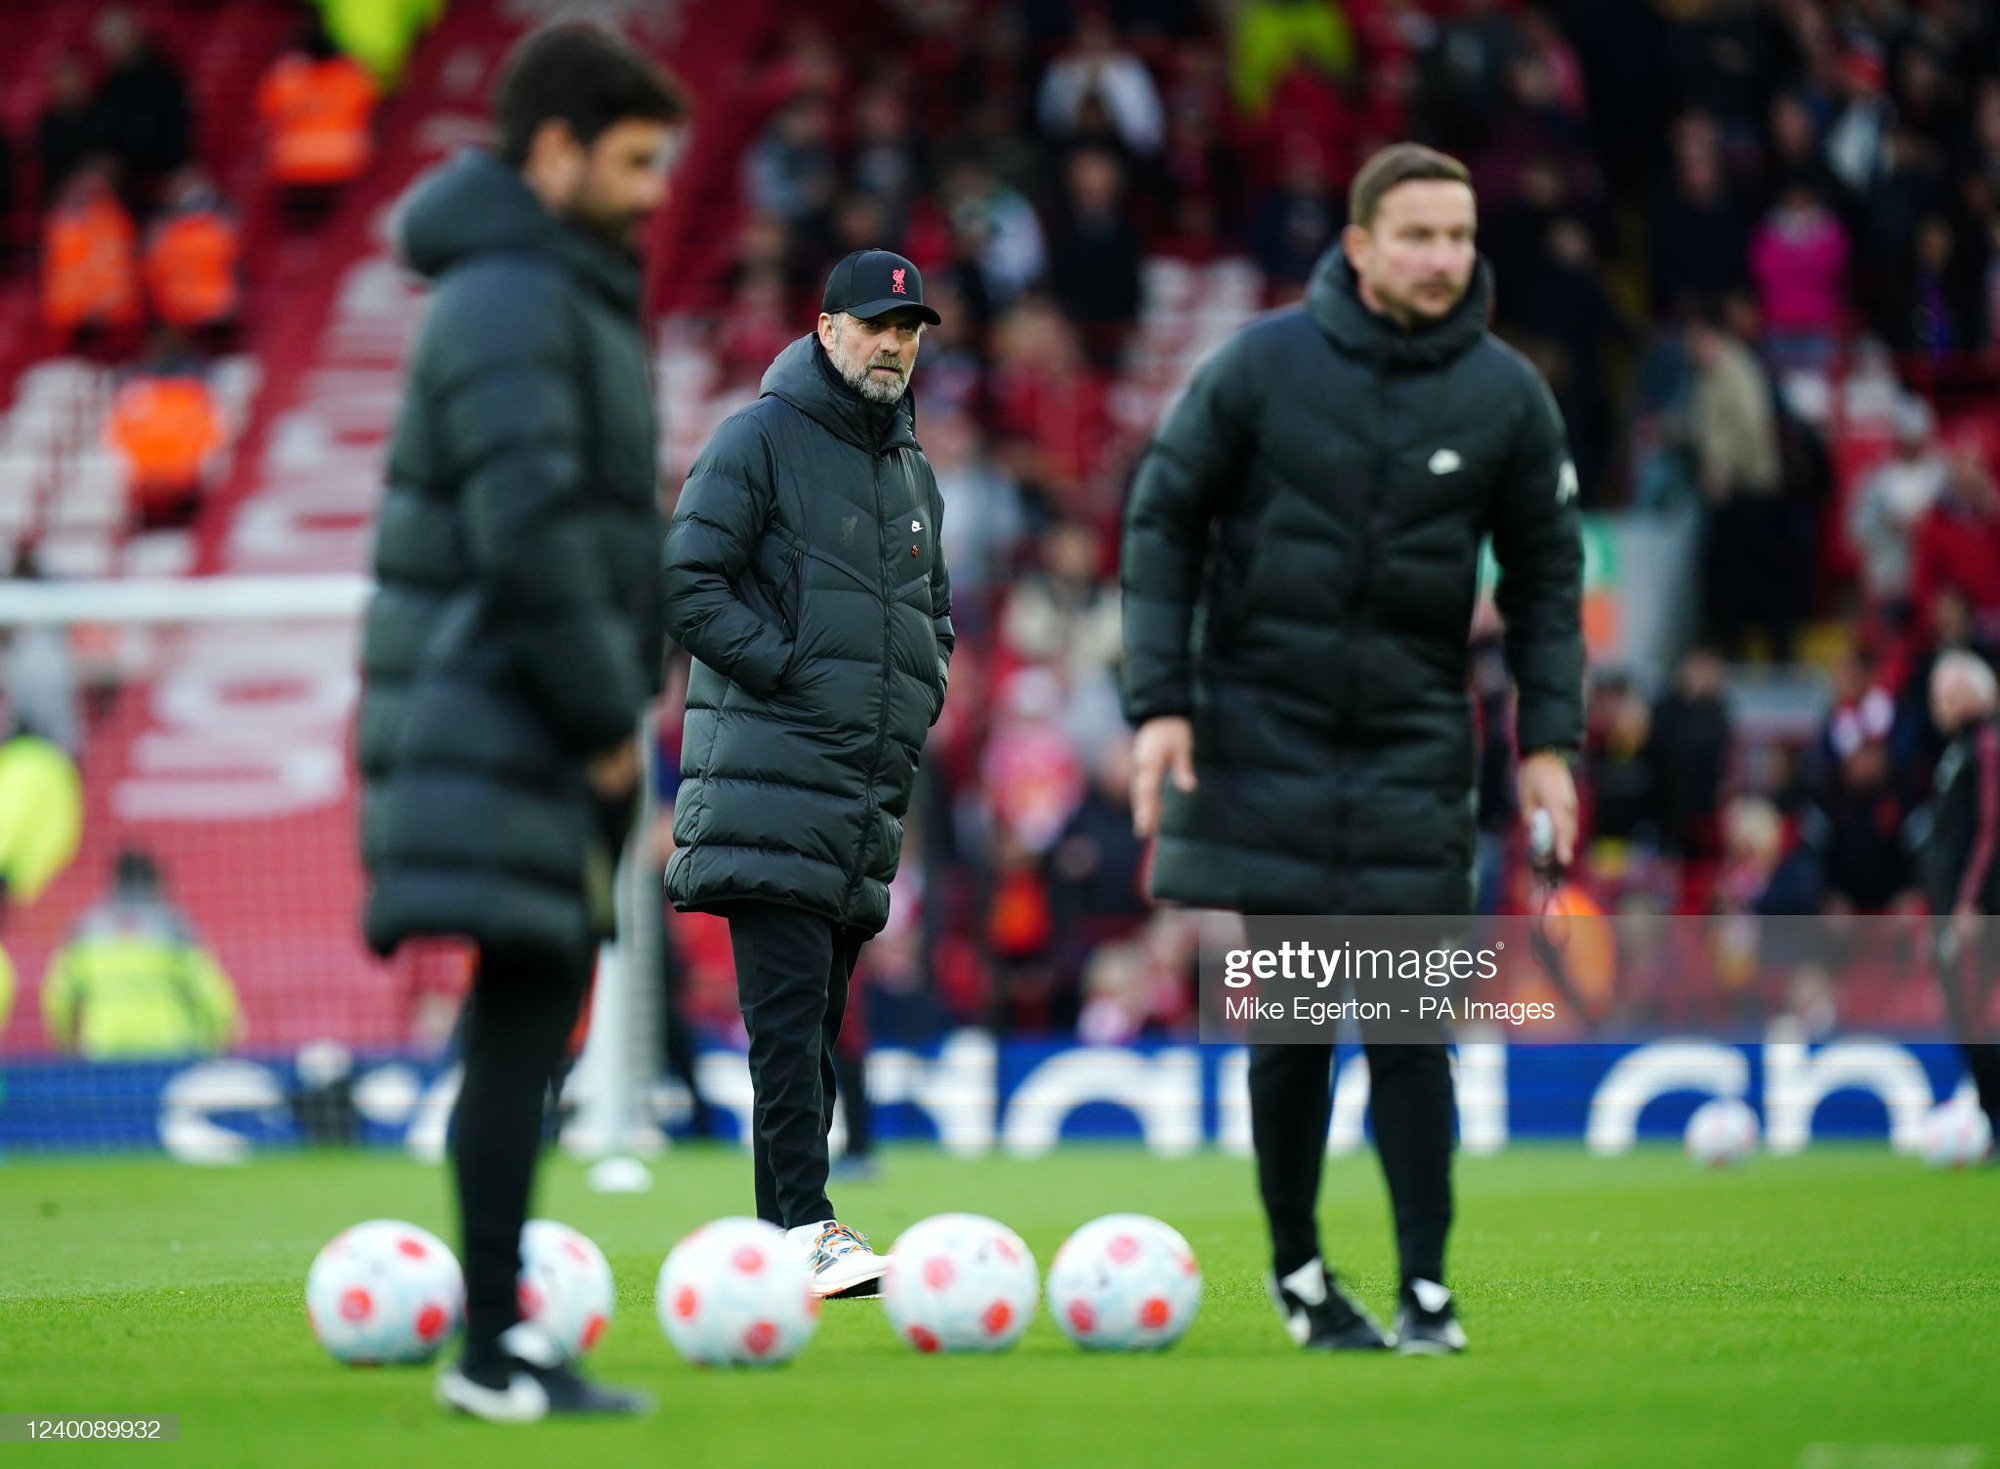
(872, 283)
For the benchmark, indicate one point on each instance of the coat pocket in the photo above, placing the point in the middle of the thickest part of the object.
(789, 600)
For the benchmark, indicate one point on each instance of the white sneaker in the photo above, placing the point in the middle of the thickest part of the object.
(505, 1394)
(839, 1259)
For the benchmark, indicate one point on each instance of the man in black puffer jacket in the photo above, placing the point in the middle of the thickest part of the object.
(1320, 493)
(805, 575)
(516, 635)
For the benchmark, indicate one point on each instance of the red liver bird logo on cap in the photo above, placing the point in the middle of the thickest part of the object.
(896, 283)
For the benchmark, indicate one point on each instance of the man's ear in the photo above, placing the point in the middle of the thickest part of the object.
(553, 153)
(1354, 243)
(826, 329)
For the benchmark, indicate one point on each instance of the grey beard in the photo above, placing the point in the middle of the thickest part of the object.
(863, 382)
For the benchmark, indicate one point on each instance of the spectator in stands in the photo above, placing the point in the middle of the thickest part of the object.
(41, 820)
(1095, 65)
(1856, 827)
(758, 324)
(1270, 39)
(142, 105)
(1533, 122)
(1514, 231)
(885, 163)
(133, 980)
(1618, 767)
(1799, 259)
(1094, 258)
(1051, 413)
(1572, 318)
(1934, 293)
(318, 108)
(1890, 504)
(996, 228)
(1861, 713)
(379, 33)
(1092, 871)
(1064, 615)
(41, 810)
(1689, 754)
(1958, 541)
(1856, 141)
(70, 129)
(1796, 156)
(193, 251)
(1464, 72)
(790, 172)
(90, 269)
(1732, 429)
(986, 518)
(1699, 234)
(167, 427)
(1298, 218)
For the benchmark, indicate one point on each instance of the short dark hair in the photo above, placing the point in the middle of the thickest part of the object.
(1399, 163)
(582, 74)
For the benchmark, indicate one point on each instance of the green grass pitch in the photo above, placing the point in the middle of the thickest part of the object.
(1808, 1311)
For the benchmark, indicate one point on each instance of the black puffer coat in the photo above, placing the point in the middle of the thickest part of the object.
(517, 627)
(804, 573)
(1300, 557)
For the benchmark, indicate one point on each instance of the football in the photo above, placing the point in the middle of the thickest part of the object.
(1722, 1131)
(565, 1285)
(736, 1293)
(1125, 1282)
(960, 1283)
(384, 1292)
(1956, 1135)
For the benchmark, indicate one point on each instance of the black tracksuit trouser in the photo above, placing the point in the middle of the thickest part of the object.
(1410, 1105)
(514, 1039)
(792, 974)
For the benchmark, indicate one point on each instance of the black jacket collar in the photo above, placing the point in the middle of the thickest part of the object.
(1333, 298)
(804, 378)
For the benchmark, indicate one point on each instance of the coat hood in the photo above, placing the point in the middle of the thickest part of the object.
(1333, 298)
(475, 205)
(804, 377)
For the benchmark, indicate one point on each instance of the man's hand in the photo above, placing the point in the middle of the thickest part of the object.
(1546, 785)
(614, 773)
(1164, 744)
(1965, 926)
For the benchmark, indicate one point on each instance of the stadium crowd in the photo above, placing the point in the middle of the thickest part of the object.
(1707, 219)
(1701, 215)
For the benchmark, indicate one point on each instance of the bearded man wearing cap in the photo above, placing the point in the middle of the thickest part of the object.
(805, 573)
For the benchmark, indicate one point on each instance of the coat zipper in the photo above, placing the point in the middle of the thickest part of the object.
(792, 564)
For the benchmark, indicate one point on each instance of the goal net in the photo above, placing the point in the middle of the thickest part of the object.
(183, 962)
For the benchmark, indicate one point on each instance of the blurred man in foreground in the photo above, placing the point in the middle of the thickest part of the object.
(516, 636)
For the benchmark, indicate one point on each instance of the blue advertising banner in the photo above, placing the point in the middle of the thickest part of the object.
(973, 1095)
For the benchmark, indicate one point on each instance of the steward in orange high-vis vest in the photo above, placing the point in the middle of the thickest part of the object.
(191, 258)
(167, 426)
(90, 276)
(317, 105)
